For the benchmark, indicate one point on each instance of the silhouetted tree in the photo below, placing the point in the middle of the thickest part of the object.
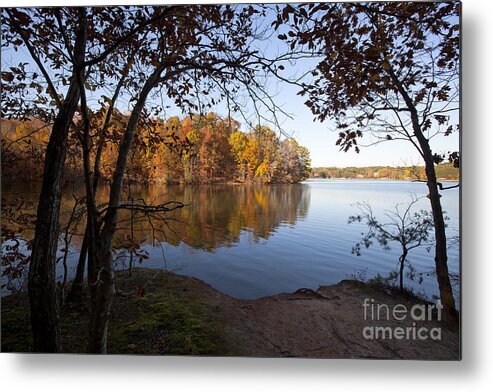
(410, 229)
(390, 70)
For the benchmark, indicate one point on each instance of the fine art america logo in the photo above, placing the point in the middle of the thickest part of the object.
(401, 322)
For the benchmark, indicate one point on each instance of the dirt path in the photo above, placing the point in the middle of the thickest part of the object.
(306, 325)
(327, 323)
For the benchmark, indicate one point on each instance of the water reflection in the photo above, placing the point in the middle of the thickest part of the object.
(252, 241)
(214, 215)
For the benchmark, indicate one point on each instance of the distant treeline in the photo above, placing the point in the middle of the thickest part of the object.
(194, 149)
(445, 171)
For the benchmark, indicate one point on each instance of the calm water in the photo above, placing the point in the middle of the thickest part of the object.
(253, 241)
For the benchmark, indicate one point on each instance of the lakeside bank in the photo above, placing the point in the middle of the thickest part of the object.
(161, 313)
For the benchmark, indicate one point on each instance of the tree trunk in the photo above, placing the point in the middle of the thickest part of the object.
(75, 294)
(402, 261)
(446, 294)
(105, 288)
(105, 285)
(130, 263)
(76, 290)
(41, 281)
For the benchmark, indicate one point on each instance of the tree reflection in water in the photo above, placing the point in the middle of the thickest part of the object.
(214, 215)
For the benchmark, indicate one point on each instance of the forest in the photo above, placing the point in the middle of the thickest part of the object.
(444, 171)
(194, 149)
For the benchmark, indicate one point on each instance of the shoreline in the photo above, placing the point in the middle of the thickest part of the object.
(162, 313)
(372, 179)
(6, 183)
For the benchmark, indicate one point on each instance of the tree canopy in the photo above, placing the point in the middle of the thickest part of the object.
(373, 53)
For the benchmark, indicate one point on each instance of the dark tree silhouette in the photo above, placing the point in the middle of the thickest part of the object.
(196, 56)
(410, 229)
(390, 70)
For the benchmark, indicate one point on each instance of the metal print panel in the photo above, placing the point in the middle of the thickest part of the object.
(266, 180)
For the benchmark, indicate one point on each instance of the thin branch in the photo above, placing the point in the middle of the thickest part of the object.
(129, 35)
(36, 58)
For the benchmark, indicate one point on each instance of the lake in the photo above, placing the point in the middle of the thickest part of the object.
(254, 241)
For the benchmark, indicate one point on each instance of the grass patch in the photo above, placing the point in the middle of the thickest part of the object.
(16, 330)
(153, 313)
(386, 285)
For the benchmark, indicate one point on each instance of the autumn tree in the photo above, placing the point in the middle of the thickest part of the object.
(190, 157)
(294, 162)
(23, 142)
(390, 70)
(63, 43)
(239, 141)
(203, 58)
(215, 155)
(36, 31)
